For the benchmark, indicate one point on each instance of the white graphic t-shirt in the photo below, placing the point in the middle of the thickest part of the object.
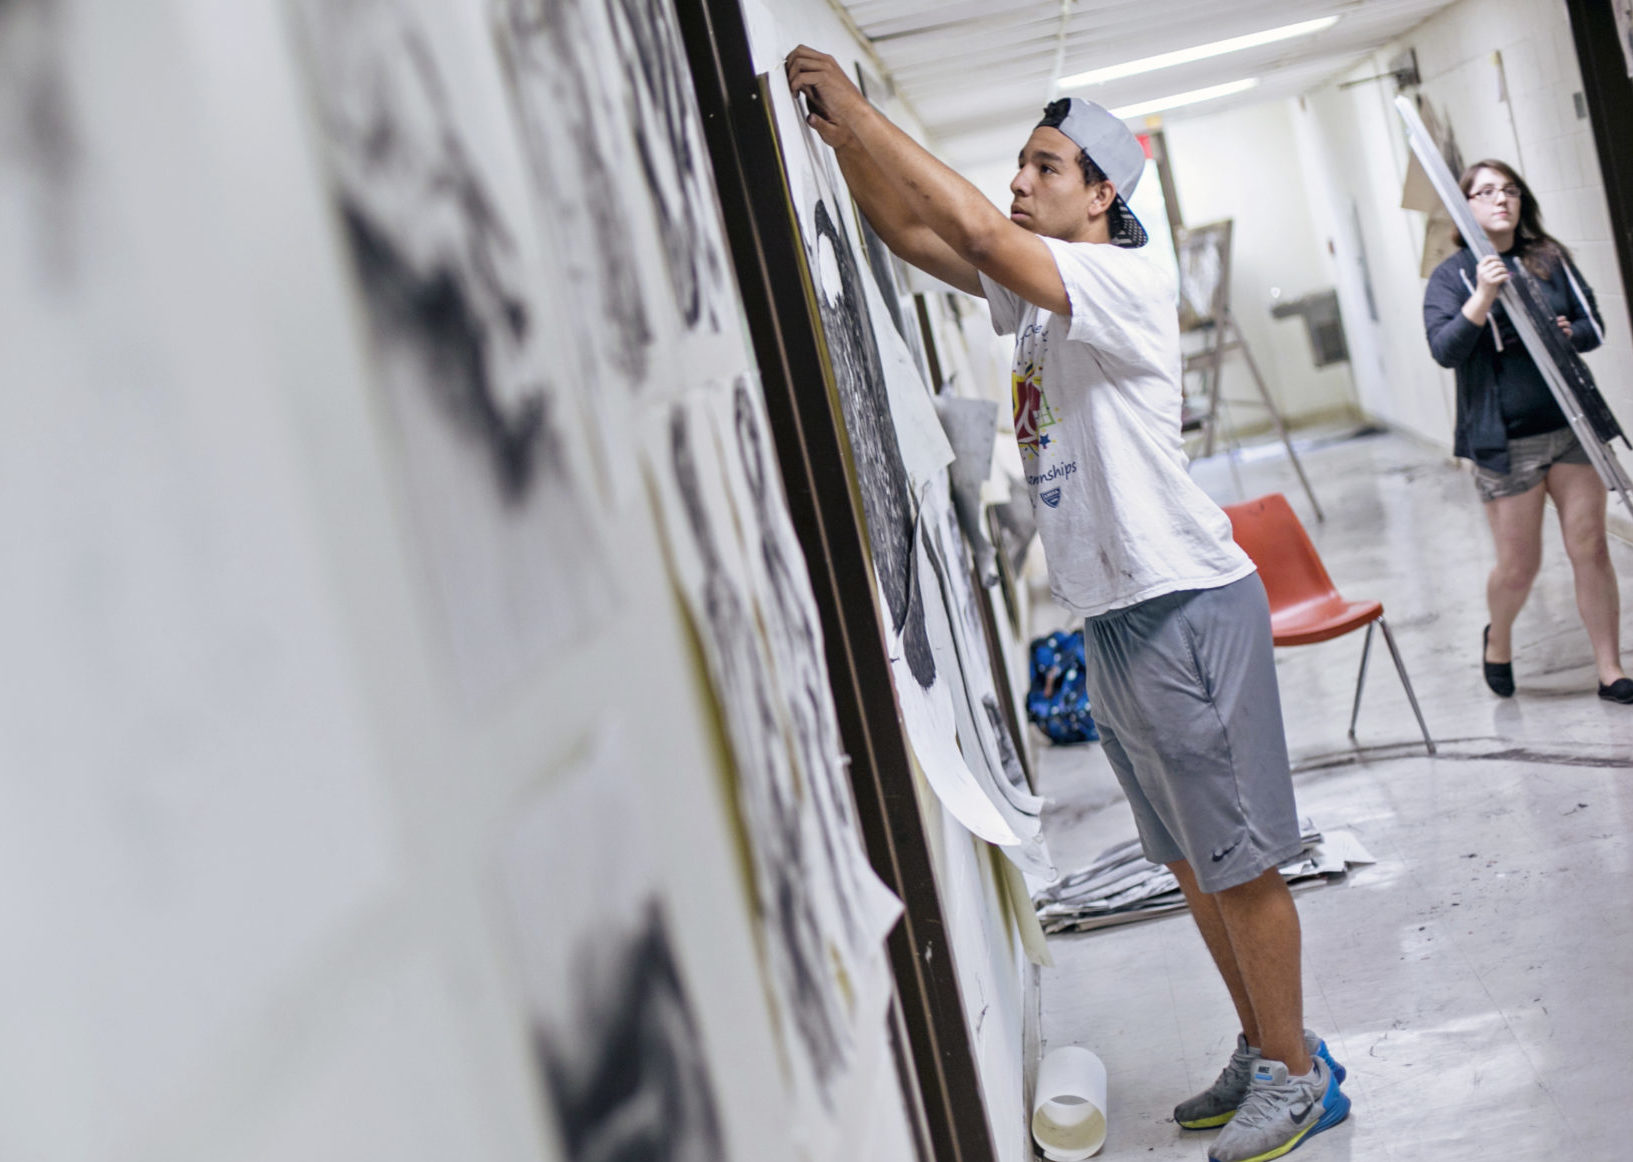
(1097, 418)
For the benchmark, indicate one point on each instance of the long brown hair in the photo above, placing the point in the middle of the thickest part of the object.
(1540, 251)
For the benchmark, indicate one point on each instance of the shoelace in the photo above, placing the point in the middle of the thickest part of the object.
(1238, 1070)
(1263, 1101)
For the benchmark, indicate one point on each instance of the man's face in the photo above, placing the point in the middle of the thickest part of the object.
(1049, 194)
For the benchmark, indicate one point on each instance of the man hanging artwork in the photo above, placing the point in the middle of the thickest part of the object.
(463, 332)
(900, 453)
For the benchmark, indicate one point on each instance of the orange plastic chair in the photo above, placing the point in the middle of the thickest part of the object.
(1305, 606)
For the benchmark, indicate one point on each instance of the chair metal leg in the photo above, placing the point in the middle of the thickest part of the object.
(1400, 666)
(1360, 679)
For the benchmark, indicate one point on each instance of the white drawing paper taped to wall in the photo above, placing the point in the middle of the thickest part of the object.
(780, 587)
(464, 335)
(550, 56)
(821, 917)
(623, 1067)
(661, 117)
(984, 735)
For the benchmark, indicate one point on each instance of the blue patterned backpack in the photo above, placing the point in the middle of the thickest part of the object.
(1057, 701)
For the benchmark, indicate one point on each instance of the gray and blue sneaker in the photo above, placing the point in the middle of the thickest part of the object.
(1217, 1104)
(1280, 1113)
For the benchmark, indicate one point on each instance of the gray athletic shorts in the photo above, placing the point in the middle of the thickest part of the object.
(1183, 688)
(1529, 458)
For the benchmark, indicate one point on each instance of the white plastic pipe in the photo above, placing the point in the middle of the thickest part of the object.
(1069, 1105)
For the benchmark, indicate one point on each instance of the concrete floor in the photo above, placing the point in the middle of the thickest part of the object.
(1475, 980)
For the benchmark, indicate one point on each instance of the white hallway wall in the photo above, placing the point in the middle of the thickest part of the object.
(1244, 165)
(1355, 152)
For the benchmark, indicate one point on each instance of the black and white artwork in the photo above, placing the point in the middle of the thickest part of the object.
(39, 137)
(624, 1068)
(822, 914)
(698, 529)
(549, 52)
(661, 115)
(959, 637)
(901, 455)
(1204, 256)
(622, 1057)
(466, 342)
(887, 500)
(840, 289)
(786, 607)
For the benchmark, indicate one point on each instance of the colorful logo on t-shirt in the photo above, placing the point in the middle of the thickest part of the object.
(1033, 416)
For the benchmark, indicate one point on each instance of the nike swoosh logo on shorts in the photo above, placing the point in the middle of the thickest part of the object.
(1222, 852)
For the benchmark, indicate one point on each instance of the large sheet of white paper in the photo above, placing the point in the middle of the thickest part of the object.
(958, 633)
(821, 912)
(623, 1068)
(469, 352)
(785, 608)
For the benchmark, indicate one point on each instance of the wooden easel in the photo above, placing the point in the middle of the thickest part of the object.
(1204, 308)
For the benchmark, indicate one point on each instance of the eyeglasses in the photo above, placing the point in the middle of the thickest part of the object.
(1492, 193)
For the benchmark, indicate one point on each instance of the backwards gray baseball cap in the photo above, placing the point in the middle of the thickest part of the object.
(1112, 147)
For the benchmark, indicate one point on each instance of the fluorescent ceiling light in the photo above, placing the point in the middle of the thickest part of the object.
(1194, 97)
(1200, 52)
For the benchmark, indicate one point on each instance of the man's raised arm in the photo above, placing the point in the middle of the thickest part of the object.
(885, 207)
(914, 194)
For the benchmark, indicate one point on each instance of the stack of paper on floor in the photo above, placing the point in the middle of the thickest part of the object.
(1122, 886)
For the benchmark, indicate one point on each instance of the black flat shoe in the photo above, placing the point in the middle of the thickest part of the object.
(1621, 690)
(1500, 675)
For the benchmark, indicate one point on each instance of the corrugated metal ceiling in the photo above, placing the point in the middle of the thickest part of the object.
(977, 72)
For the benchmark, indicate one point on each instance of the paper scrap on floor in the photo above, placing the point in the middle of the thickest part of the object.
(1122, 886)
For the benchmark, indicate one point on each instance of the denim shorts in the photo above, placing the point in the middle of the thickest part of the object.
(1529, 458)
(1184, 693)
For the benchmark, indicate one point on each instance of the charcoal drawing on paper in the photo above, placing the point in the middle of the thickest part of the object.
(662, 116)
(886, 497)
(616, 1025)
(785, 869)
(547, 49)
(39, 136)
(462, 346)
(623, 1069)
(787, 610)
